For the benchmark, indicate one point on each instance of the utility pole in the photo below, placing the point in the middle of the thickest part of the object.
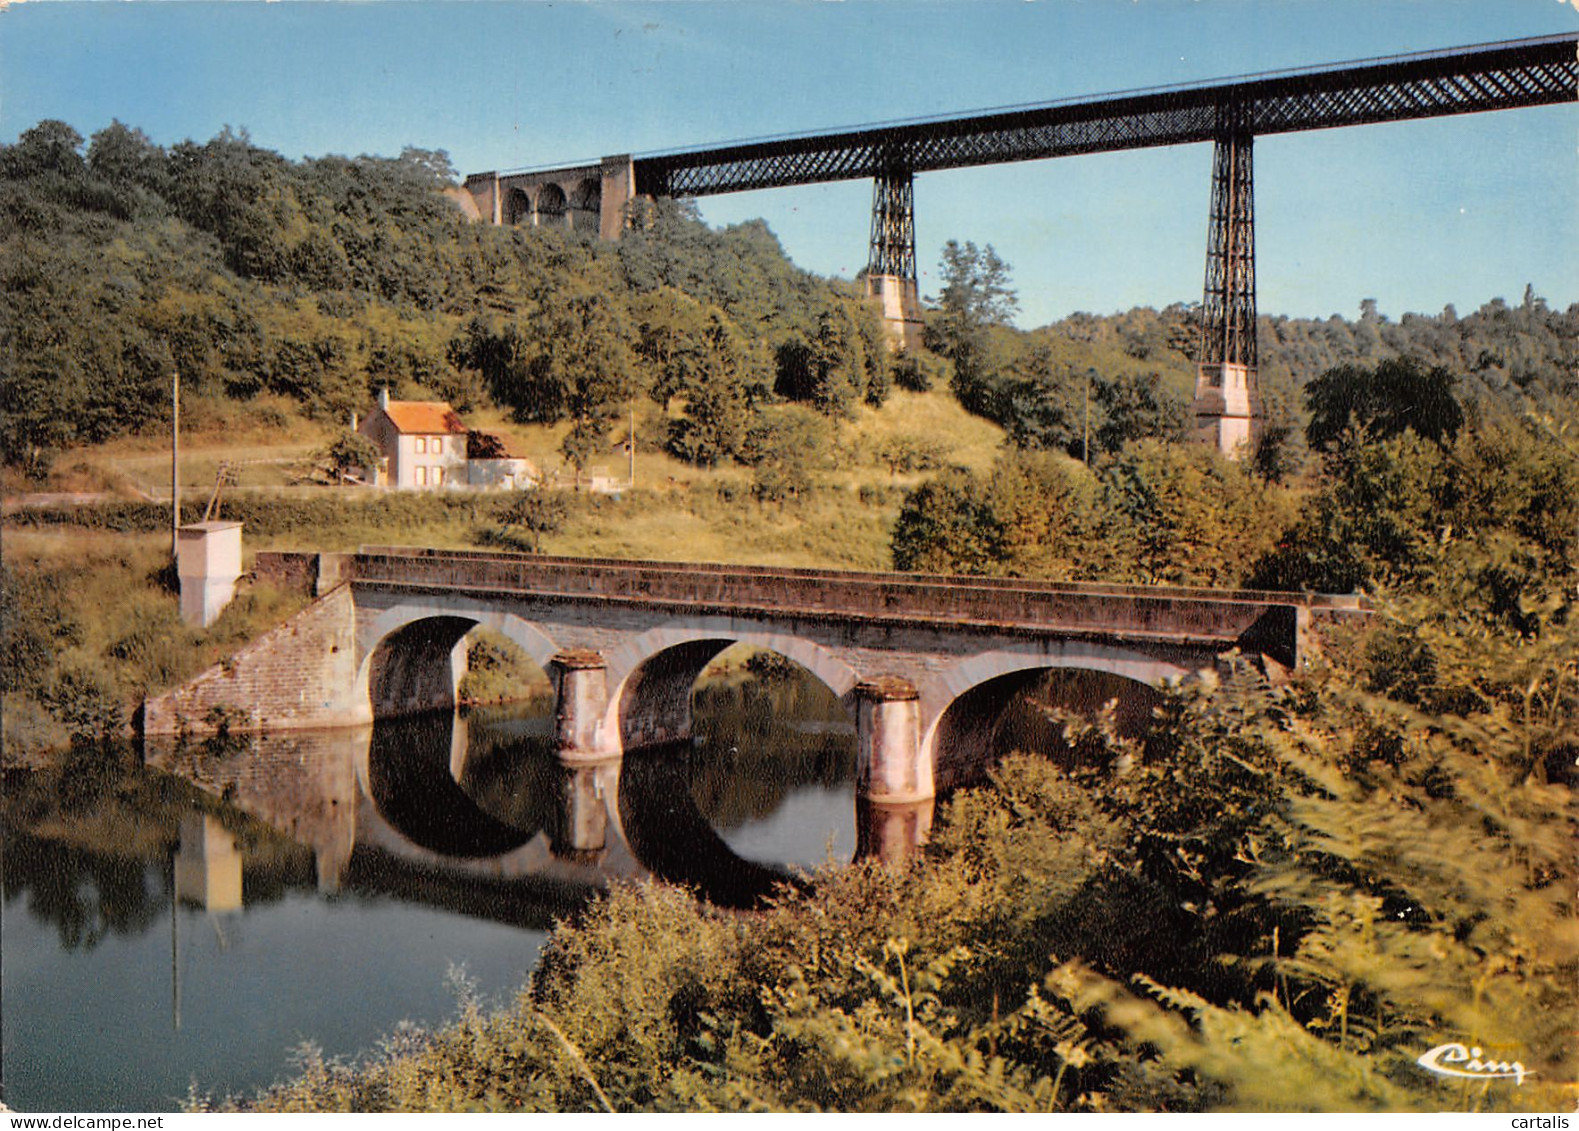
(1085, 443)
(175, 462)
(630, 446)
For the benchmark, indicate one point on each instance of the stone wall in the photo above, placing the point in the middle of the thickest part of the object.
(297, 573)
(302, 674)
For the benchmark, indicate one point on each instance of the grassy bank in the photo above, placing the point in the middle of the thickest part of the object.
(1218, 915)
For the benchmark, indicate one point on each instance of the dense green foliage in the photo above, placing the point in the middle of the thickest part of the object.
(1279, 895)
(1095, 383)
(1155, 513)
(321, 281)
(1276, 898)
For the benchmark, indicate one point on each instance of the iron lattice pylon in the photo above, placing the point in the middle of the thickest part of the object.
(1228, 308)
(893, 249)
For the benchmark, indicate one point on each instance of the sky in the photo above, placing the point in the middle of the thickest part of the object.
(1416, 215)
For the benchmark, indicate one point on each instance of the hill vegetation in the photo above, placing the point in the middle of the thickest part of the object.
(1279, 895)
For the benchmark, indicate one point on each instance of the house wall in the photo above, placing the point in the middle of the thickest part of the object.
(501, 474)
(427, 463)
(416, 461)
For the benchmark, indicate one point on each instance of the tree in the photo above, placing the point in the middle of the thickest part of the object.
(433, 164)
(976, 296)
(1181, 514)
(52, 146)
(126, 156)
(976, 290)
(947, 525)
(832, 370)
(1137, 408)
(530, 515)
(784, 447)
(724, 383)
(1396, 395)
(351, 452)
(584, 357)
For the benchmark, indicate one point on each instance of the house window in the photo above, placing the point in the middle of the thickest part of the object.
(422, 477)
(438, 477)
(422, 445)
(438, 445)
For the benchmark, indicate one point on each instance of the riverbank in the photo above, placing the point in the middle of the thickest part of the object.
(1222, 914)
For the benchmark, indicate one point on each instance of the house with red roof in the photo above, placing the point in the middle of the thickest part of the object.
(423, 442)
(426, 447)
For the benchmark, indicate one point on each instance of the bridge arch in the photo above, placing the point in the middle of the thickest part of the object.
(650, 676)
(428, 633)
(952, 745)
(518, 207)
(586, 201)
(553, 207)
(407, 772)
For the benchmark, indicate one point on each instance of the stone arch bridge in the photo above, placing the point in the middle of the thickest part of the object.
(914, 658)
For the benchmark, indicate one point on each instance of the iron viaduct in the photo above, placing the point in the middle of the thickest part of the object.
(919, 662)
(1230, 113)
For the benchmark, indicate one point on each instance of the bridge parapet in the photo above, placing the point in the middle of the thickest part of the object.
(1271, 622)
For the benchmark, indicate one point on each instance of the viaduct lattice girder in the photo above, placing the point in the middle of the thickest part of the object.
(1499, 76)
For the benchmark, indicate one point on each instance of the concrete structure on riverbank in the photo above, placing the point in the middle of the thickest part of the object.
(917, 661)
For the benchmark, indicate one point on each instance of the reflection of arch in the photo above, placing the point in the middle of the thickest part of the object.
(957, 741)
(455, 616)
(650, 676)
(410, 784)
(670, 837)
(553, 210)
(586, 198)
(518, 207)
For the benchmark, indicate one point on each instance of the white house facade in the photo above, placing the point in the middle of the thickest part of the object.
(425, 447)
(423, 443)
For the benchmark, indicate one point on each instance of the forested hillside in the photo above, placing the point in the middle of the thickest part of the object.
(277, 287)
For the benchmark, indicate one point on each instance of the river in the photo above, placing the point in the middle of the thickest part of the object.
(189, 923)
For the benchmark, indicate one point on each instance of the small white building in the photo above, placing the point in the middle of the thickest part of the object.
(423, 442)
(491, 466)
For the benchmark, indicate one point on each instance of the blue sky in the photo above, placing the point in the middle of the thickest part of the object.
(1417, 215)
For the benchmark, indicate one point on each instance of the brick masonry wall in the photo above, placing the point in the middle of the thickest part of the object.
(295, 572)
(302, 674)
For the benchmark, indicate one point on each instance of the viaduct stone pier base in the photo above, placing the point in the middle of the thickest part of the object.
(899, 300)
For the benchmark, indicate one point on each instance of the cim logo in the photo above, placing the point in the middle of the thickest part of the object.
(1455, 1060)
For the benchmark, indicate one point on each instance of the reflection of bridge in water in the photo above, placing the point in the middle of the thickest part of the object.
(428, 808)
(920, 665)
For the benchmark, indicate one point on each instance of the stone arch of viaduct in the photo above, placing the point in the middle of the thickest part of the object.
(624, 642)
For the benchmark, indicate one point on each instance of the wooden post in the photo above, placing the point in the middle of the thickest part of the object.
(175, 463)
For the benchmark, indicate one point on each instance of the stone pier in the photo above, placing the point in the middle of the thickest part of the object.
(888, 742)
(580, 683)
